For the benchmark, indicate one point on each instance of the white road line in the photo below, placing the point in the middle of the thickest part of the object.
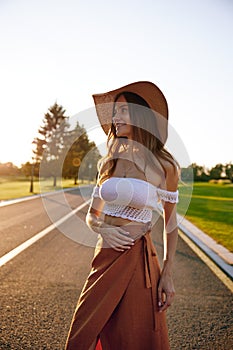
(13, 253)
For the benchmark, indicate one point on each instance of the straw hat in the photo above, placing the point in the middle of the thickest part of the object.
(145, 89)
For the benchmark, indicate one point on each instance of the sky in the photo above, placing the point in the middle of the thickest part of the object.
(65, 51)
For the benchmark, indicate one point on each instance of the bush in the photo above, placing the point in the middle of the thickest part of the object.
(224, 182)
(220, 181)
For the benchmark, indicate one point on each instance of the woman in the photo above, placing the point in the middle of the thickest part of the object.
(124, 299)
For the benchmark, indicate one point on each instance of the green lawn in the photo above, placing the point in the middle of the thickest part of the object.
(17, 187)
(211, 209)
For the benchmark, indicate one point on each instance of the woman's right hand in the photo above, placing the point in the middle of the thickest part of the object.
(116, 237)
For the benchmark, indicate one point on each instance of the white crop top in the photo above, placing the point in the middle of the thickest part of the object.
(131, 198)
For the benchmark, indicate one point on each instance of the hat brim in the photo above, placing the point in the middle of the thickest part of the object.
(147, 90)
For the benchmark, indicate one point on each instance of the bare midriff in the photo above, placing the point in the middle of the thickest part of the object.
(117, 221)
(134, 228)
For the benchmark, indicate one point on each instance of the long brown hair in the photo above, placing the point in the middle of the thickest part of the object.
(145, 132)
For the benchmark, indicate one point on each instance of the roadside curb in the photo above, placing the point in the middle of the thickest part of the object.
(216, 252)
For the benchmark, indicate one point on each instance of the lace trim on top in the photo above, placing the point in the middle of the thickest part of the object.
(125, 212)
(168, 196)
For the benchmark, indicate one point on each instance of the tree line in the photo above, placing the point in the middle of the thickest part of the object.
(195, 172)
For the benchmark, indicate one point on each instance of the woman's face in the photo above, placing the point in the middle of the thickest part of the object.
(121, 118)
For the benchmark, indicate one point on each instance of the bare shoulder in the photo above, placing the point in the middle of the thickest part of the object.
(172, 175)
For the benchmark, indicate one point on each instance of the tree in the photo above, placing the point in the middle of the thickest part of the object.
(50, 144)
(88, 169)
(217, 171)
(81, 155)
(187, 174)
(9, 169)
(229, 171)
(26, 169)
(199, 172)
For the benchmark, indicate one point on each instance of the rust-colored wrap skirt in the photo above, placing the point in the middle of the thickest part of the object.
(118, 303)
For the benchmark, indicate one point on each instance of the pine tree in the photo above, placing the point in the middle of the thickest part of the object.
(51, 142)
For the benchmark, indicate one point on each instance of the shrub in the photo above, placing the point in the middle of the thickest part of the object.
(220, 181)
(224, 181)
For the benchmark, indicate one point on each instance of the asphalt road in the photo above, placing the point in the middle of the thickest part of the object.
(39, 287)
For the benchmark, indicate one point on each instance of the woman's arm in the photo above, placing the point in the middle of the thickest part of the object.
(166, 290)
(116, 237)
(94, 214)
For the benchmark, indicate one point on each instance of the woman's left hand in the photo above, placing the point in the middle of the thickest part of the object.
(166, 291)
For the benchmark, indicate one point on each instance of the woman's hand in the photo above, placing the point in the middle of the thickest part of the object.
(116, 237)
(166, 291)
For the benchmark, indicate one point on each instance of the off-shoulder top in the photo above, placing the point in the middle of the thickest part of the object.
(132, 198)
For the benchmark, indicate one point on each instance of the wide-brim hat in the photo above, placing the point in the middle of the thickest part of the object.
(145, 89)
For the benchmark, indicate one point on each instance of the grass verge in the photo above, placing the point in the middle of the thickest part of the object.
(12, 187)
(211, 210)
